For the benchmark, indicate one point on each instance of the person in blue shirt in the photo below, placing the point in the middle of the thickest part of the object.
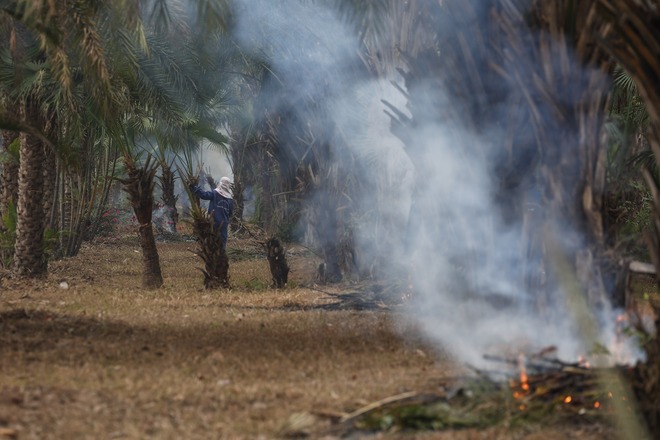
(221, 205)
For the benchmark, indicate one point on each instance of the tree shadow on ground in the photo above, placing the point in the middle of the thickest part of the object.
(45, 336)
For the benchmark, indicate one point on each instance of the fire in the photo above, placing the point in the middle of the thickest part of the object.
(523, 390)
(583, 362)
(596, 404)
(568, 399)
(524, 378)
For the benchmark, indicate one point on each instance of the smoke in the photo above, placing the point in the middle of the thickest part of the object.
(163, 220)
(303, 42)
(468, 262)
(216, 164)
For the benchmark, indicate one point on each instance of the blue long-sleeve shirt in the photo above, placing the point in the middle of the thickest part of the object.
(221, 208)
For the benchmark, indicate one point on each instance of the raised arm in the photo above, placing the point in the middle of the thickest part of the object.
(204, 195)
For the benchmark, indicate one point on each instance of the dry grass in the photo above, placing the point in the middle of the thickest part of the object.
(103, 359)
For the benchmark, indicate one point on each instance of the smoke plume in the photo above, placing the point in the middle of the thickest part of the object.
(439, 210)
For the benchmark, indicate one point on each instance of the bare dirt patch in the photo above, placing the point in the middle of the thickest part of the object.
(86, 353)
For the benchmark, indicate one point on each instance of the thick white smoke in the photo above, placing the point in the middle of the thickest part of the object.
(495, 314)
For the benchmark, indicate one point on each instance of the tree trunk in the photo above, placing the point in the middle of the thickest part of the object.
(239, 170)
(139, 185)
(209, 242)
(9, 173)
(8, 198)
(50, 177)
(168, 196)
(66, 212)
(210, 248)
(151, 274)
(239, 203)
(279, 269)
(323, 218)
(266, 204)
(29, 258)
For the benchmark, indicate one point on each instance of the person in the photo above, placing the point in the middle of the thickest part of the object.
(221, 205)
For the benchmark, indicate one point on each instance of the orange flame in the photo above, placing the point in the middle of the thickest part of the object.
(583, 362)
(523, 385)
(596, 404)
(568, 399)
(524, 378)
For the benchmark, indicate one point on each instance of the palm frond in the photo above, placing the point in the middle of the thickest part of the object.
(624, 81)
(367, 18)
(214, 14)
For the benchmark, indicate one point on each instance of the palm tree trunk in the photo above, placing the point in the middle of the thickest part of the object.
(239, 203)
(323, 218)
(139, 185)
(66, 211)
(9, 173)
(238, 168)
(50, 188)
(209, 242)
(8, 198)
(29, 258)
(266, 204)
(210, 250)
(279, 269)
(151, 274)
(168, 196)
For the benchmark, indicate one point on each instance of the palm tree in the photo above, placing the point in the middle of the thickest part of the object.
(628, 203)
(29, 258)
(90, 102)
(209, 242)
(139, 185)
(573, 188)
(554, 80)
(301, 180)
(499, 56)
(43, 84)
(182, 102)
(628, 41)
(632, 37)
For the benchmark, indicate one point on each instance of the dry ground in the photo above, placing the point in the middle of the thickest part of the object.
(87, 354)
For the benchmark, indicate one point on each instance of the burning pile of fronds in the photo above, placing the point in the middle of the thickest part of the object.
(538, 390)
(546, 386)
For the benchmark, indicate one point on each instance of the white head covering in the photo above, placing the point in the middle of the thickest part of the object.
(224, 188)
